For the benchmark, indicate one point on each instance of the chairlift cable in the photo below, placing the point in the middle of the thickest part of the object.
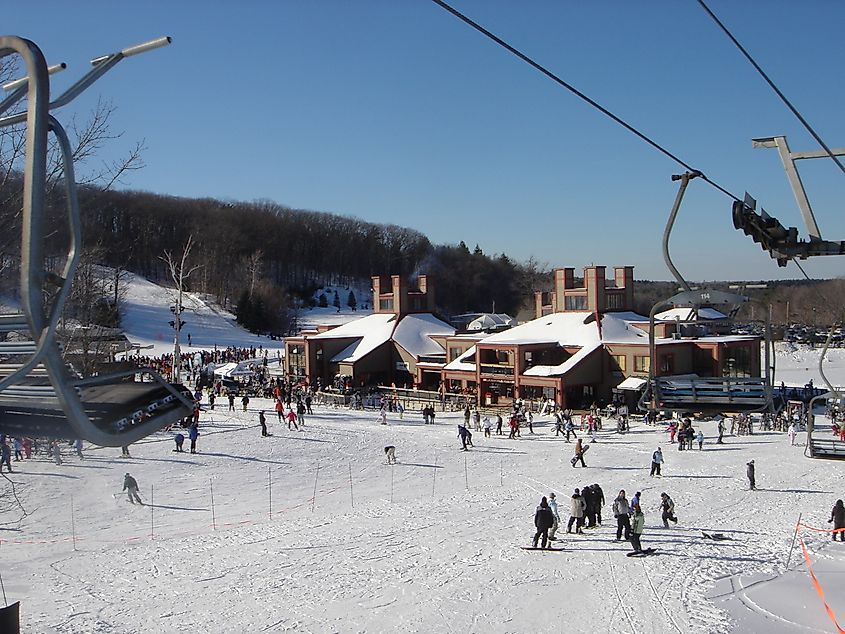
(578, 93)
(774, 87)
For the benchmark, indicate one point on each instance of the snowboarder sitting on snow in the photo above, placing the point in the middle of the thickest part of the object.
(390, 452)
(668, 508)
(637, 529)
(131, 486)
(837, 516)
(544, 519)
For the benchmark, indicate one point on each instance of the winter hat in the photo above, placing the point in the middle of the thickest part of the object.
(577, 491)
(544, 502)
(552, 495)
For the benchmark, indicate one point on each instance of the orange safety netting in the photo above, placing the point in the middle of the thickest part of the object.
(813, 577)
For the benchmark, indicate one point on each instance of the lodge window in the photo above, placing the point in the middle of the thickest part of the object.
(642, 363)
(614, 301)
(454, 353)
(738, 362)
(385, 304)
(618, 363)
(667, 364)
(575, 302)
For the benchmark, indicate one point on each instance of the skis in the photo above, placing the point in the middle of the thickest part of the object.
(545, 549)
(642, 553)
(719, 537)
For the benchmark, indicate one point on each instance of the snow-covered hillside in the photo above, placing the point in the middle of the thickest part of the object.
(146, 313)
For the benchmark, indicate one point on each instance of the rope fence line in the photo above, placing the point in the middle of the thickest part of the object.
(382, 485)
(817, 586)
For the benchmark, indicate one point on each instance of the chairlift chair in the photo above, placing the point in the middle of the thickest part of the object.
(40, 395)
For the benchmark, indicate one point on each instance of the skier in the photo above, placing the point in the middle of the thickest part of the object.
(544, 519)
(382, 415)
(300, 413)
(530, 418)
(308, 404)
(231, 396)
(558, 424)
(211, 399)
(5, 455)
(570, 429)
(656, 462)
(193, 434)
(18, 444)
(263, 422)
(124, 451)
(487, 425)
(292, 420)
(700, 438)
(465, 435)
(476, 420)
(635, 502)
(576, 513)
(637, 530)
(390, 452)
(77, 445)
(553, 507)
(791, 433)
(131, 486)
(750, 472)
(721, 428)
(499, 422)
(245, 401)
(180, 439)
(579, 453)
(668, 508)
(280, 409)
(837, 516)
(57, 452)
(621, 511)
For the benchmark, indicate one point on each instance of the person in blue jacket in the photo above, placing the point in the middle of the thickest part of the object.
(193, 434)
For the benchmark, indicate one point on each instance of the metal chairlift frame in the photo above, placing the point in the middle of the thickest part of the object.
(695, 299)
(39, 395)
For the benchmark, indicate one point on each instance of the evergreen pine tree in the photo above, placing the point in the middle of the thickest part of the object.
(336, 300)
(351, 301)
(323, 301)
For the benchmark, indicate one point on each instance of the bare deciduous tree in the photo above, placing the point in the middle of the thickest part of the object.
(180, 271)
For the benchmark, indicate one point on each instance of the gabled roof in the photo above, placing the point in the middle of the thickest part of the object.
(414, 334)
(370, 332)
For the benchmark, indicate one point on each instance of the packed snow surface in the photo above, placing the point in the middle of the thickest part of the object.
(234, 539)
(430, 544)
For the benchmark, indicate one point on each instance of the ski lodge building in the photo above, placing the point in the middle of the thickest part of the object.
(401, 343)
(585, 342)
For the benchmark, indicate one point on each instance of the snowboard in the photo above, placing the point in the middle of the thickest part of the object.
(538, 548)
(583, 453)
(642, 553)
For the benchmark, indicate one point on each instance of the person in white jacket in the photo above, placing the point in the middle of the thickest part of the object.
(791, 432)
(553, 506)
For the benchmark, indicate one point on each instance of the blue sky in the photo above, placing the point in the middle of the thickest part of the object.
(396, 112)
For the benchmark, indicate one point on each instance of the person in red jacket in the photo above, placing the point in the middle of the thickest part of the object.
(292, 420)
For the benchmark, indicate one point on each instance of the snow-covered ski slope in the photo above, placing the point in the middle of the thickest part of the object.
(429, 545)
(146, 313)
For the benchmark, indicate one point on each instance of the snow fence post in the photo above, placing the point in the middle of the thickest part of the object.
(213, 518)
(314, 499)
(72, 524)
(434, 477)
(351, 494)
(794, 535)
(152, 516)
